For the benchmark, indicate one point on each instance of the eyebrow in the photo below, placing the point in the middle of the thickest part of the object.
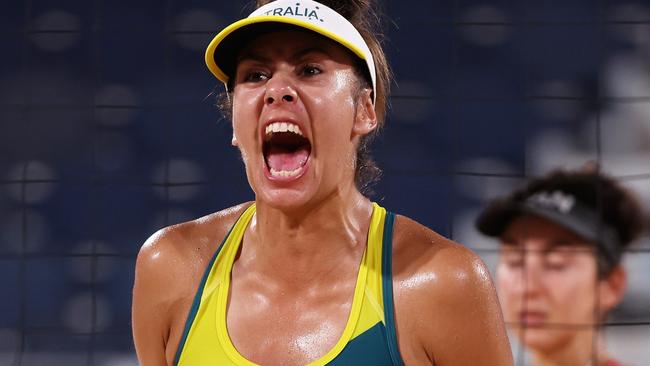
(309, 50)
(509, 241)
(253, 56)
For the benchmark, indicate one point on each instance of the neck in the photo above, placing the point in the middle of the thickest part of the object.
(582, 350)
(311, 242)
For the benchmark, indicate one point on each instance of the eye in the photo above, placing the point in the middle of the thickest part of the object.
(310, 70)
(513, 259)
(514, 262)
(556, 266)
(255, 76)
(556, 261)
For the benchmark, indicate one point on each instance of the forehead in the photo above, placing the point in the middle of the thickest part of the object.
(290, 43)
(542, 234)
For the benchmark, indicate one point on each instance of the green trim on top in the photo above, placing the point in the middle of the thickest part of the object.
(197, 298)
(387, 285)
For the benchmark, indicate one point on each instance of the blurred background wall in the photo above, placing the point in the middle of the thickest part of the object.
(108, 132)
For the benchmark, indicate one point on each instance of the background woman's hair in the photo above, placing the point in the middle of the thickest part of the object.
(616, 206)
(366, 18)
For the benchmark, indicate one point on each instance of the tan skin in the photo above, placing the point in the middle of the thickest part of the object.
(546, 276)
(293, 280)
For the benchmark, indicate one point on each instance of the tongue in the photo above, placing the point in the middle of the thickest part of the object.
(280, 159)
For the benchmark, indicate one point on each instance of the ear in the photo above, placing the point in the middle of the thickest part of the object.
(366, 118)
(612, 288)
(234, 141)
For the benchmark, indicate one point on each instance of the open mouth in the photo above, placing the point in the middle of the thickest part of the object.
(286, 150)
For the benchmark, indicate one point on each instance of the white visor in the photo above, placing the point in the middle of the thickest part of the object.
(307, 14)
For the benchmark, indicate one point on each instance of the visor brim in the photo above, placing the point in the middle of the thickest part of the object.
(221, 54)
(495, 220)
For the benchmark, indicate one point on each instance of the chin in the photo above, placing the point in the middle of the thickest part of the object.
(283, 199)
(543, 340)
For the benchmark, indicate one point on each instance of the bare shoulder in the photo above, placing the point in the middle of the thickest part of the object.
(168, 270)
(445, 301)
(419, 251)
(186, 242)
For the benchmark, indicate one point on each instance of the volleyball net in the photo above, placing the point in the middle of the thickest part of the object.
(107, 133)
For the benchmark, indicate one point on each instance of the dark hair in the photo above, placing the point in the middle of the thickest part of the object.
(366, 18)
(615, 207)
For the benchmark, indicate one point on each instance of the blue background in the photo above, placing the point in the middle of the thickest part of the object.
(108, 132)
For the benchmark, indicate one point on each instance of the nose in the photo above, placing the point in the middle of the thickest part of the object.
(280, 89)
(532, 275)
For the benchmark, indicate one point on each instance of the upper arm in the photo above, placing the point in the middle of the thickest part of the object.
(468, 327)
(150, 312)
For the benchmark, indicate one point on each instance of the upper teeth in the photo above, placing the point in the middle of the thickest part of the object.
(283, 127)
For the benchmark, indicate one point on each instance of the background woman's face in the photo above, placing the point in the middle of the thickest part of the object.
(547, 282)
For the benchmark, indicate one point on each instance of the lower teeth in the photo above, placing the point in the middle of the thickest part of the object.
(284, 173)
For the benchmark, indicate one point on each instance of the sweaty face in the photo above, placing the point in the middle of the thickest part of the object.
(297, 116)
(547, 282)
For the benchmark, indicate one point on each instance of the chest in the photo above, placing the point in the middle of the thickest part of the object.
(270, 324)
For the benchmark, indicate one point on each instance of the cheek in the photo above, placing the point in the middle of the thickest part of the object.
(245, 113)
(339, 100)
(333, 114)
(345, 83)
(506, 287)
(573, 295)
(247, 101)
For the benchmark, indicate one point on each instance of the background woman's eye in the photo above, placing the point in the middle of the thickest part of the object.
(514, 262)
(556, 266)
(513, 259)
(557, 261)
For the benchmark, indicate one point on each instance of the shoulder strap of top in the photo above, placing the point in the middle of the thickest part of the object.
(387, 286)
(243, 219)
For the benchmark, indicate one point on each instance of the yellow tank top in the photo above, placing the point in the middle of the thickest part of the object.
(368, 338)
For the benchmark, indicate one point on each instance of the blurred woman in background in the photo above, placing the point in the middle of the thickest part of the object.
(559, 274)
